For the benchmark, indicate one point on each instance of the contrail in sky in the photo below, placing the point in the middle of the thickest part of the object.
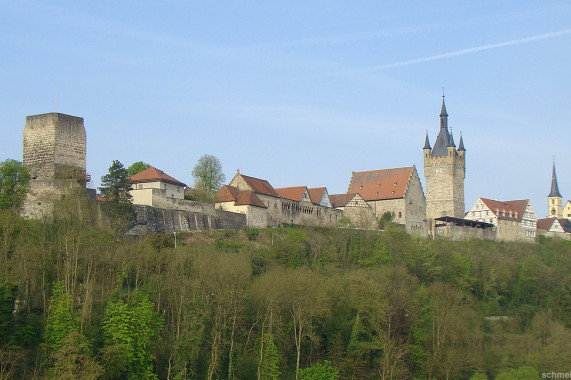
(470, 50)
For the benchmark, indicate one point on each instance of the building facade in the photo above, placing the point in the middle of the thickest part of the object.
(514, 220)
(397, 191)
(153, 183)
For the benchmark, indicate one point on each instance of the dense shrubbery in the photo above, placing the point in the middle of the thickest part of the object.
(76, 302)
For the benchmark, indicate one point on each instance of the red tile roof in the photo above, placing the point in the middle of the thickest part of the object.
(294, 193)
(260, 186)
(547, 223)
(153, 174)
(100, 198)
(249, 198)
(229, 193)
(380, 184)
(341, 200)
(502, 209)
(316, 194)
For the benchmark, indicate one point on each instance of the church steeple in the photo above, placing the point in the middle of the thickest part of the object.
(554, 198)
(554, 187)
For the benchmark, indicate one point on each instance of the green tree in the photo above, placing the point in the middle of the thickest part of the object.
(319, 372)
(270, 368)
(208, 175)
(137, 167)
(522, 373)
(73, 360)
(129, 328)
(14, 184)
(8, 292)
(115, 187)
(61, 321)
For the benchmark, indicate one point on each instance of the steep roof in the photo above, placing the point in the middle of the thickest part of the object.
(153, 174)
(260, 186)
(444, 139)
(341, 200)
(316, 194)
(381, 184)
(229, 193)
(547, 223)
(294, 193)
(554, 187)
(502, 209)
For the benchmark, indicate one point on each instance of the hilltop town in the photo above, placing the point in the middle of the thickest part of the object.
(55, 154)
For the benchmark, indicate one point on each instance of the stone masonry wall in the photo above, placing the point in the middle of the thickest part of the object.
(415, 206)
(54, 146)
(151, 220)
(444, 186)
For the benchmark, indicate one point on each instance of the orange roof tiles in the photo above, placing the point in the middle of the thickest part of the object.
(341, 200)
(502, 209)
(260, 186)
(153, 174)
(547, 223)
(316, 194)
(249, 198)
(229, 193)
(380, 184)
(294, 193)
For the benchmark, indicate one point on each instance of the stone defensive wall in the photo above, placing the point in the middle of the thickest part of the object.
(151, 219)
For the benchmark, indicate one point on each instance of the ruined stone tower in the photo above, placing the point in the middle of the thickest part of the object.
(444, 170)
(54, 153)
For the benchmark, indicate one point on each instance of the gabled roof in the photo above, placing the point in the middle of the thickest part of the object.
(229, 193)
(502, 209)
(295, 193)
(547, 223)
(342, 200)
(381, 184)
(153, 174)
(260, 186)
(316, 194)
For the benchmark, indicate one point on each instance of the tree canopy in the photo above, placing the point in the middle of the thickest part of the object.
(115, 186)
(14, 184)
(137, 167)
(208, 175)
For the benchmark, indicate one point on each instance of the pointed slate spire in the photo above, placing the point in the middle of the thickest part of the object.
(461, 145)
(443, 109)
(451, 140)
(443, 116)
(426, 142)
(554, 188)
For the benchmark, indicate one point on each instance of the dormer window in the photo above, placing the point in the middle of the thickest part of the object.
(395, 184)
(377, 194)
(379, 186)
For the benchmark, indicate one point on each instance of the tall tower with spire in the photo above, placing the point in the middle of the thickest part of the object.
(444, 170)
(554, 198)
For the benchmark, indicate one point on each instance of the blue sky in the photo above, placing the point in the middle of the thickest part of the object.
(298, 92)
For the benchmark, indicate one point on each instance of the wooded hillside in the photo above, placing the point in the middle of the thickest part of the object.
(80, 301)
